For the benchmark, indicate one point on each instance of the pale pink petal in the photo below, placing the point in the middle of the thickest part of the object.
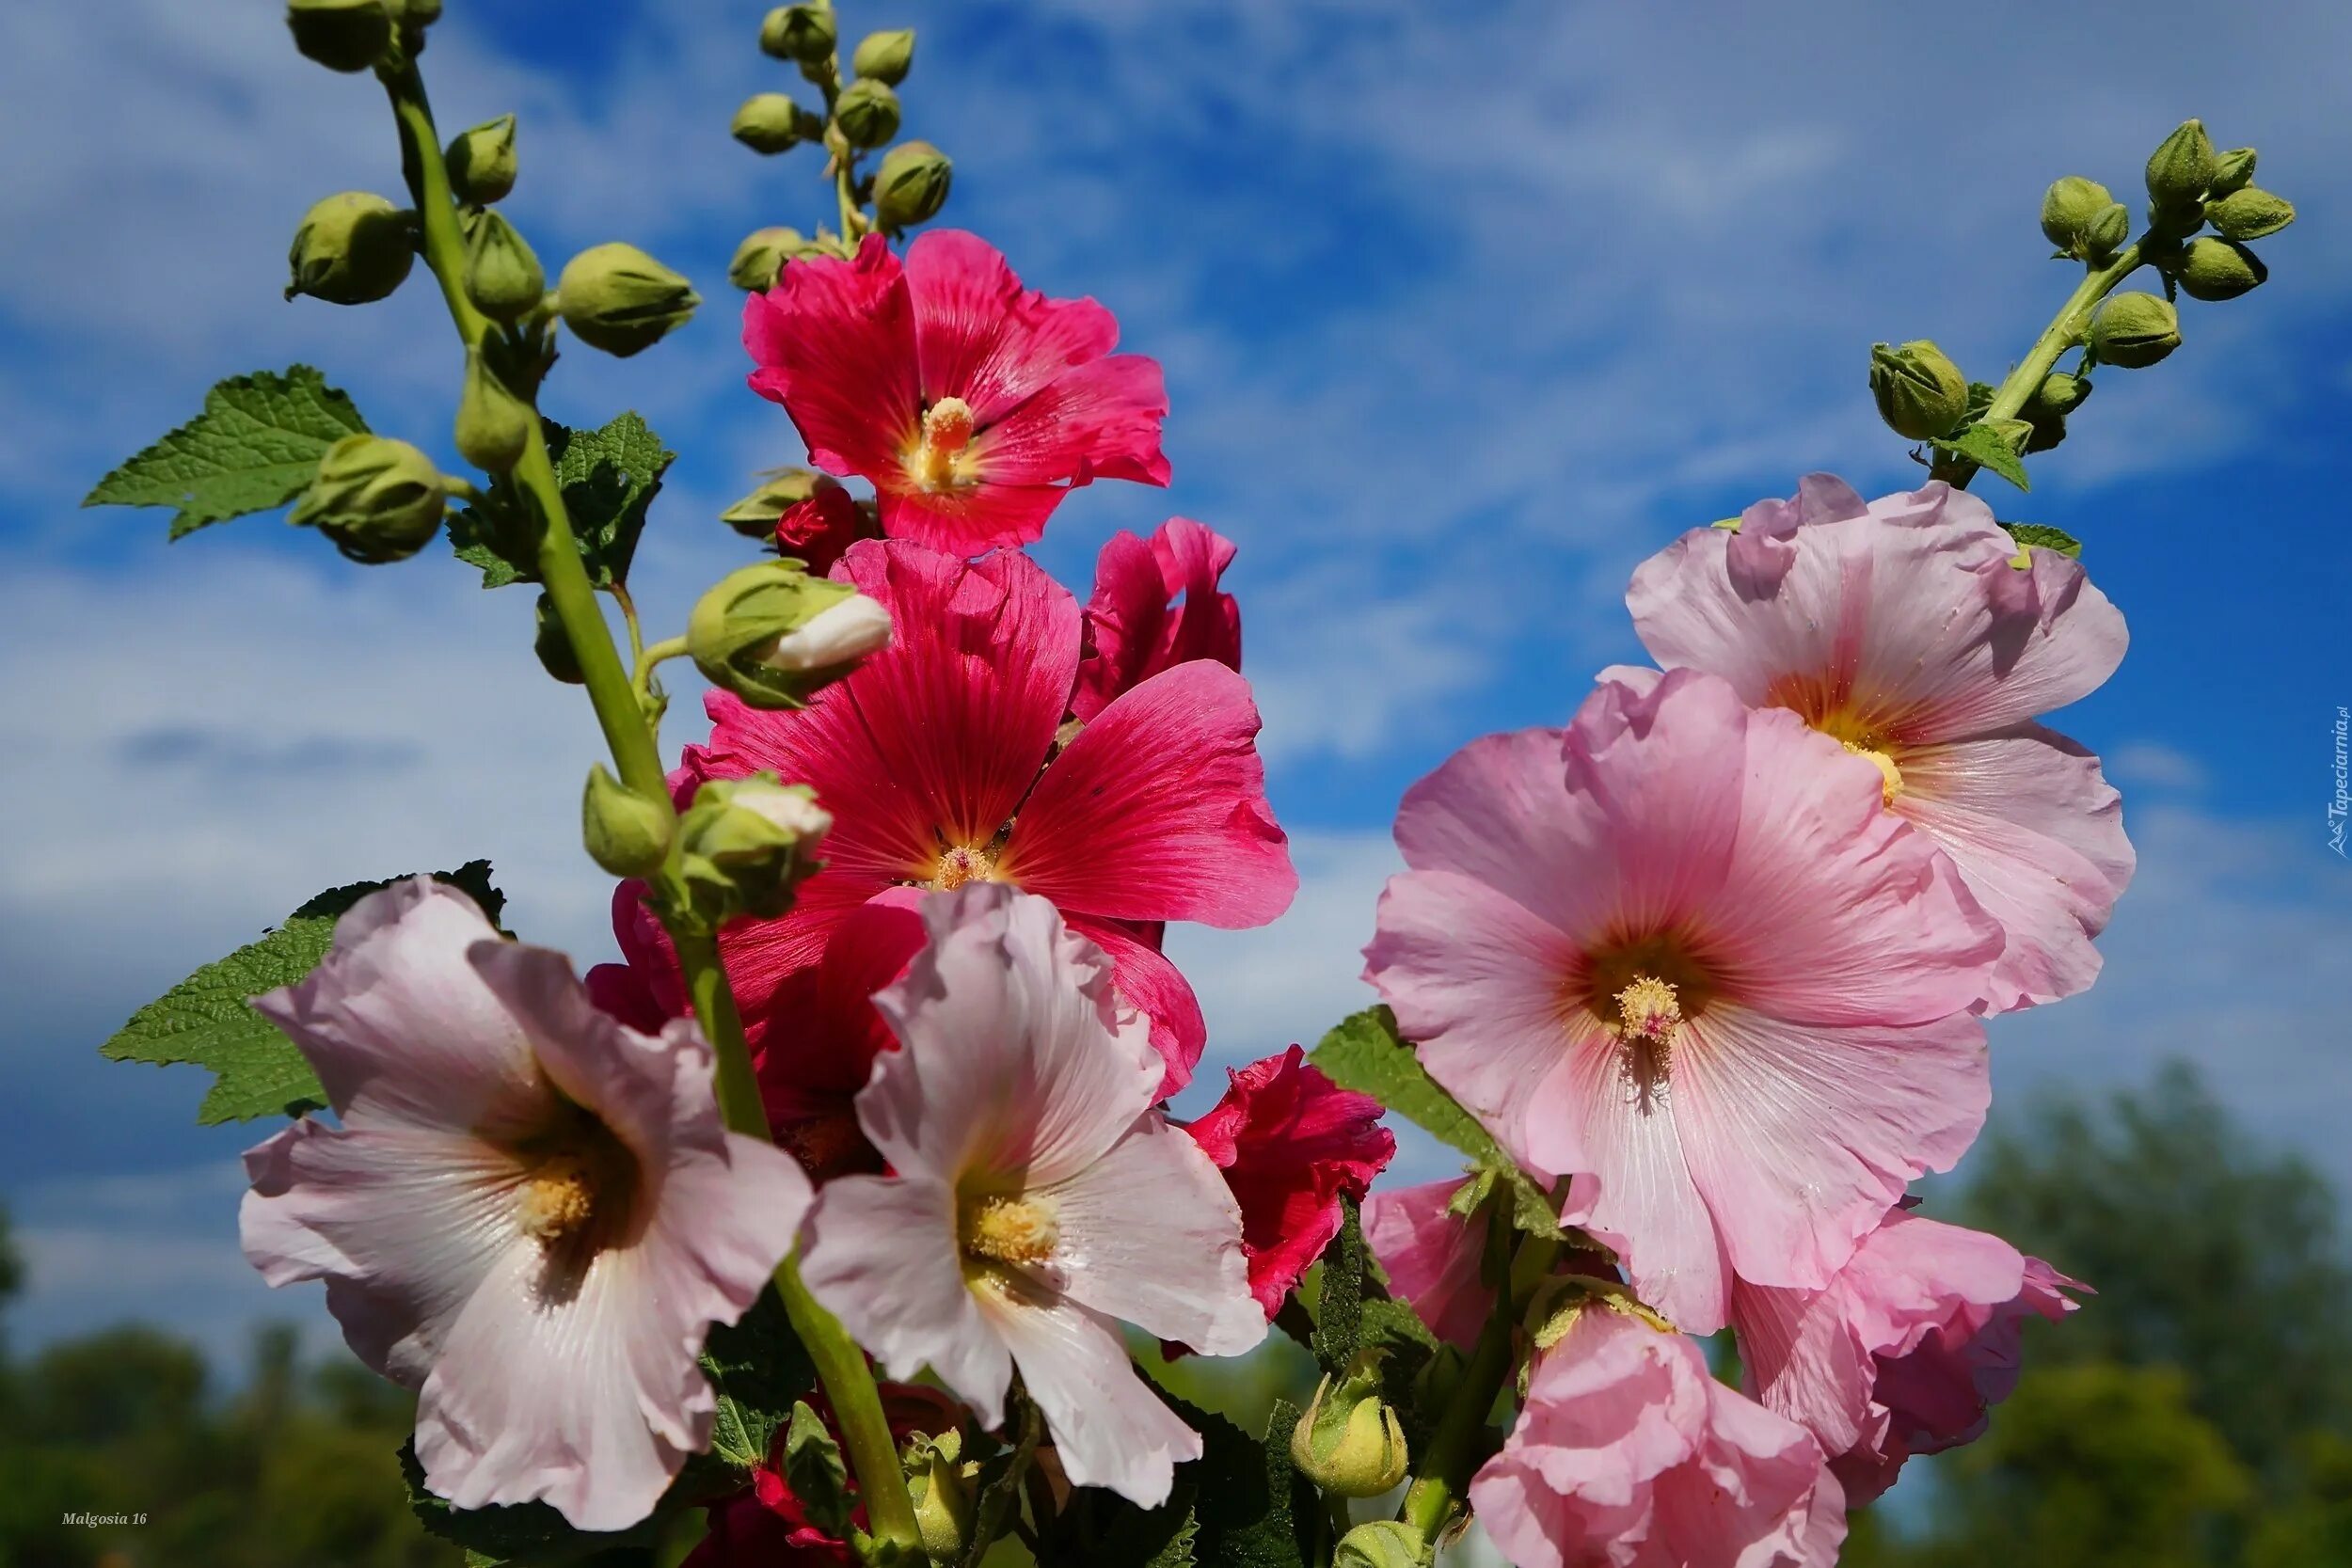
(1498, 811)
(1157, 810)
(1431, 1256)
(1108, 1428)
(1655, 778)
(835, 340)
(985, 339)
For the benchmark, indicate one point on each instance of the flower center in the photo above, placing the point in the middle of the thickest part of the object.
(960, 863)
(937, 463)
(557, 1199)
(999, 1228)
(1649, 1016)
(1645, 992)
(1849, 730)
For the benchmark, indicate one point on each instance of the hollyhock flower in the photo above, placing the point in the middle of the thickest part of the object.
(1292, 1143)
(1902, 629)
(1156, 606)
(938, 759)
(1628, 1453)
(1681, 953)
(815, 531)
(1036, 1196)
(1903, 1351)
(1431, 1256)
(530, 1212)
(973, 405)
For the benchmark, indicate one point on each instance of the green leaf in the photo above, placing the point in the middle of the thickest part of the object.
(760, 1370)
(521, 1533)
(1393, 1329)
(1237, 1506)
(254, 447)
(1989, 446)
(1340, 1314)
(2045, 537)
(206, 1018)
(1364, 1053)
(813, 1470)
(608, 477)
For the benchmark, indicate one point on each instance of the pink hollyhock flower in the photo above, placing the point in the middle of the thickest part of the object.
(971, 404)
(1902, 629)
(1292, 1143)
(1904, 1351)
(815, 531)
(1681, 953)
(938, 760)
(1628, 1453)
(1034, 1196)
(530, 1212)
(1431, 1256)
(1156, 606)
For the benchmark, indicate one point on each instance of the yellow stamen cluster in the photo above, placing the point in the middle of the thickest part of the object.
(556, 1201)
(1000, 1227)
(1649, 1009)
(961, 864)
(1851, 732)
(946, 433)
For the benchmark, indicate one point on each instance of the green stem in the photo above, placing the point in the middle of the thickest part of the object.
(647, 657)
(857, 1409)
(997, 1503)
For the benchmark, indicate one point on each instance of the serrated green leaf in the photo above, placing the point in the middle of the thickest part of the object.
(2045, 537)
(759, 1369)
(254, 447)
(608, 477)
(1340, 1310)
(1237, 1506)
(1364, 1053)
(1989, 445)
(813, 1470)
(207, 1019)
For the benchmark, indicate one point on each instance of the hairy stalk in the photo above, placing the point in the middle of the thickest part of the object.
(849, 1382)
(2065, 331)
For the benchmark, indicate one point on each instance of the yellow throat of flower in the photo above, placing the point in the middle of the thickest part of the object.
(1002, 1227)
(960, 863)
(557, 1199)
(942, 455)
(1851, 732)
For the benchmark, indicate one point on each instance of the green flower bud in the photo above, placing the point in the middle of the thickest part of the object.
(2232, 170)
(626, 835)
(762, 256)
(378, 499)
(341, 35)
(2106, 234)
(2175, 220)
(493, 424)
(617, 299)
(2212, 269)
(2135, 330)
(1382, 1544)
(867, 113)
(942, 1491)
(1349, 1442)
(2181, 168)
(886, 56)
(2068, 208)
(482, 162)
(2250, 214)
(755, 516)
(352, 248)
(805, 33)
(2059, 395)
(504, 278)
(416, 13)
(746, 844)
(553, 645)
(769, 123)
(775, 636)
(1920, 393)
(912, 185)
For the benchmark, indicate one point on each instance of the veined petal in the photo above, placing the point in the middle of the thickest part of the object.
(1148, 981)
(982, 337)
(1134, 629)
(835, 344)
(1109, 1429)
(1099, 421)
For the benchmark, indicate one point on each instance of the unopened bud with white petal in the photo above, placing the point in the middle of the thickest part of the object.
(745, 845)
(775, 636)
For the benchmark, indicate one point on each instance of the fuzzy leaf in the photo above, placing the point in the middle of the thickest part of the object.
(1340, 1312)
(2045, 537)
(813, 1468)
(1364, 1053)
(1990, 447)
(760, 1371)
(608, 477)
(254, 447)
(206, 1018)
(1237, 1506)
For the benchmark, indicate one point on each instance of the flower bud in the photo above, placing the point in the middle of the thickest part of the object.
(378, 499)
(493, 424)
(2212, 269)
(2106, 233)
(553, 644)
(755, 516)
(2134, 330)
(768, 123)
(2068, 208)
(352, 248)
(775, 636)
(943, 1495)
(745, 845)
(762, 256)
(1920, 393)
(482, 162)
(341, 35)
(886, 56)
(625, 833)
(1382, 1544)
(416, 13)
(617, 299)
(2250, 214)
(1349, 1442)
(805, 33)
(817, 530)
(2232, 170)
(867, 113)
(912, 185)
(2059, 395)
(504, 278)
(2180, 168)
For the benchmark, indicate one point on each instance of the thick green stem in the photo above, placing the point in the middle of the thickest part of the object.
(849, 1382)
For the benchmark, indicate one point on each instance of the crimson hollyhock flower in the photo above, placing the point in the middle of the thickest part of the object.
(943, 761)
(1135, 625)
(973, 405)
(1292, 1143)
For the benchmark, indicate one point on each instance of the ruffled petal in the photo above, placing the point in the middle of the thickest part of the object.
(1431, 1256)
(1149, 982)
(835, 344)
(983, 338)
(1157, 811)
(1156, 606)
(1099, 421)
(1498, 811)
(1108, 1428)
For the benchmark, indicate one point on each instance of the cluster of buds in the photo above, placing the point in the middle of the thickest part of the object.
(355, 35)
(861, 115)
(746, 844)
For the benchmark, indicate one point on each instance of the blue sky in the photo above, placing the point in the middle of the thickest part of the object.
(1465, 311)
